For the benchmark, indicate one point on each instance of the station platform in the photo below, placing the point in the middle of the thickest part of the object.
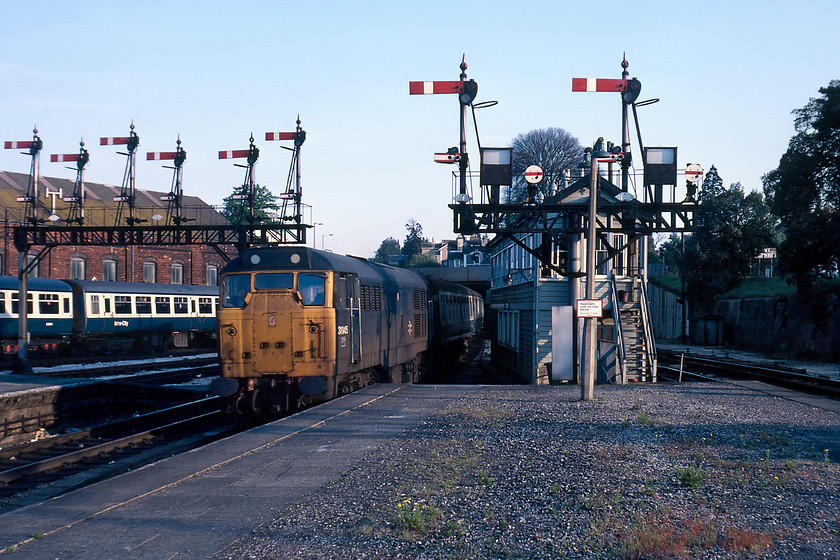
(525, 451)
(196, 504)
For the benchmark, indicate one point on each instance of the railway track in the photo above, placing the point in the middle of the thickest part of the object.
(713, 368)
(92, 454)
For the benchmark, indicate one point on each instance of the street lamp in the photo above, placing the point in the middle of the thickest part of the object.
(587, 385)
(323, 239)
(313, 232)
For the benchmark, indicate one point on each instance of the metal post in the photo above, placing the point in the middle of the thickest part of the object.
(463, 164)
(23, 365)
(587, 385)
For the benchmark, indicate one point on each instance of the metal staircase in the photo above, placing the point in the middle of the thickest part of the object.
(636, 348)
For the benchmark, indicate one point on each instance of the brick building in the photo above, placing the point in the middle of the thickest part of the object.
(182, 264)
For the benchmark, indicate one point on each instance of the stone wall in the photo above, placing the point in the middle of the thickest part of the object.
(787, 326)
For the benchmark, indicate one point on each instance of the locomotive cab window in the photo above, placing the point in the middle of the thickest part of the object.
(274, 281)
(312, 288)
(234, 289)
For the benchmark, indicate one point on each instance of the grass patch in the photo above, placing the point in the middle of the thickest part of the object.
(690, 477)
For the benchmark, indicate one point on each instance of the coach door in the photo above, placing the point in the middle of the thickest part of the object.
(348, 323)
(355, 317)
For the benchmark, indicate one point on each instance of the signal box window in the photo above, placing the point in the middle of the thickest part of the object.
(274, 281)
(312, 288)
(234, 289)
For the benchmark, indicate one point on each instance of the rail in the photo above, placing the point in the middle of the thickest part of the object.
(119, 435)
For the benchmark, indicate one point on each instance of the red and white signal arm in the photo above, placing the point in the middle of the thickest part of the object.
(693, 173)
(446, 157)
(589, 308)
(534, 174)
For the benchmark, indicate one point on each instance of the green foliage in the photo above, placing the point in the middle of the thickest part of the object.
(690, 477)
(732, 228)
(804, 191)
(387, 248)
(413, 239)
(237, 211)
(421, 260)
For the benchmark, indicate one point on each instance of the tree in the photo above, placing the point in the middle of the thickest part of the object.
(553, 149)
(804, 191)
(236, 211)
(413, 239)
(731, 229)
(387, 248)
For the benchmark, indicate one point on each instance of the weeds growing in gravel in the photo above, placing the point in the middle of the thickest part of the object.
(415, 517)
(690, 477)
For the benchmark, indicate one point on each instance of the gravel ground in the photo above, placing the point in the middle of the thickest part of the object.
(699, 470)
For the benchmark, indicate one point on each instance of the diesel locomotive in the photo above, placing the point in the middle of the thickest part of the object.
(299, 326)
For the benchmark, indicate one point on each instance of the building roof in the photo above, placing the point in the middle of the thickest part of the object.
(100, 208)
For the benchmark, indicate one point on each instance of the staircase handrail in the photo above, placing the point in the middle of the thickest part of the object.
(622, 360)
(650, 343)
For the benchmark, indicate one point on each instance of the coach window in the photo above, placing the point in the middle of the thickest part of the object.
(143, 305)
(77, 268)
(181, 305)
(122, 305)
(177, 273)
(109, 270)
(234, 289)
(48, 304)
(2, 302)
(312, 288)
(162, 305)
(16, 303)
(94, 305)
(205, 305)
(274, 281)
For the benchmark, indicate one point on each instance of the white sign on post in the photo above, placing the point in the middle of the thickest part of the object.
(590, 308)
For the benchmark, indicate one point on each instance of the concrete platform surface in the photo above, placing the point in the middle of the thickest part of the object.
(196, 504)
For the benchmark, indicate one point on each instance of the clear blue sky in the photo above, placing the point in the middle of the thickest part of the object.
(728, 75)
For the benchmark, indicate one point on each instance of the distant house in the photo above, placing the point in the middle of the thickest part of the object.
(176, 264)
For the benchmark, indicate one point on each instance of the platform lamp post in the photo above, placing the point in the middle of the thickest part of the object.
(587, 385)
(314, 225)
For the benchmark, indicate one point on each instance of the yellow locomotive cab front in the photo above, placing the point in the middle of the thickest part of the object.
(278, 325)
